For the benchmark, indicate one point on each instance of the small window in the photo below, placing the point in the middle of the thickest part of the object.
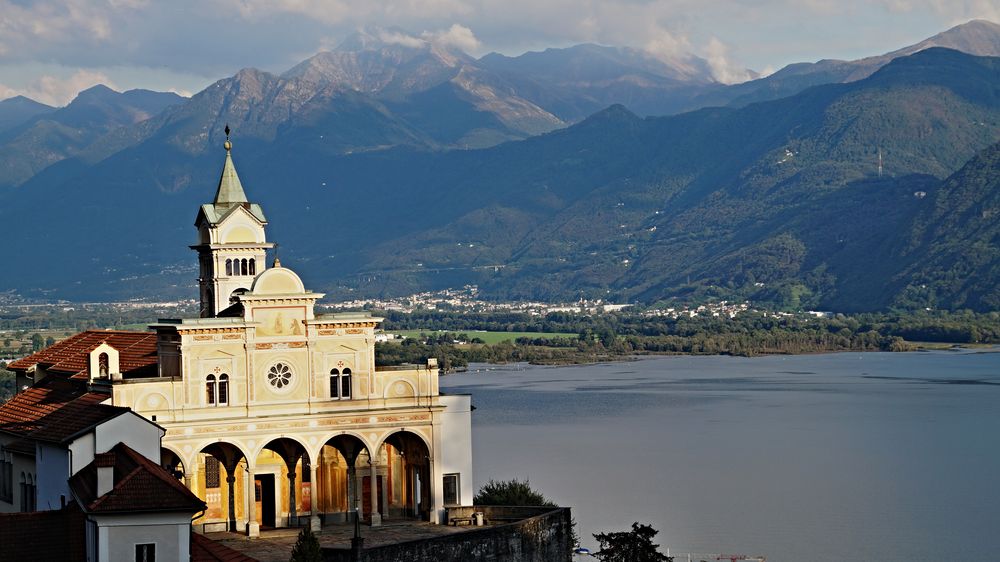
(450, 489)
(253, 267)
(229, 268)
(345, 384)
(223, 398)
(334, 383)
(211, 472)
(210, 389)
(244, 267)
(145, 552)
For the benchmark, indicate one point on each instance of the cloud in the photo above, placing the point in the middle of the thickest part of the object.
(723, 70)
(56, 91)
(457, 36)
(397, 38)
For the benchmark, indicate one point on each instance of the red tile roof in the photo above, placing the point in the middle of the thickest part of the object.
(139, 485)
(40, 405)
(204, 549)
(43, 535)
(136, 353)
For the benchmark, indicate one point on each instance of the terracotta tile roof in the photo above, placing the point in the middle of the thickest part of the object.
(43, 535)
(136, 353)
(139, 485)
(204, 549)
(39, 405)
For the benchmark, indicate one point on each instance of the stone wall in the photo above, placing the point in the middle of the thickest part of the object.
(543, 534)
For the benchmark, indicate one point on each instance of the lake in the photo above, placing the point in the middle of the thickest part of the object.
(849, 456)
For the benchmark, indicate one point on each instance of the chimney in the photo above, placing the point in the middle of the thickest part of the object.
(105, 463)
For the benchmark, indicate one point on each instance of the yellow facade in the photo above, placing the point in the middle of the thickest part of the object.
(265, 386)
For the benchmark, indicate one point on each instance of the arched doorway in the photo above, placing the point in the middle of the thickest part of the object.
(338, 466)
(406, 458)
(282, 484)
(221, 471)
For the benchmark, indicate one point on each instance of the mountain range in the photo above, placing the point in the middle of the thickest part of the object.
(362, 158)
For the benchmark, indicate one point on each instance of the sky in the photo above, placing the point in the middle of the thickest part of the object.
(50, 50)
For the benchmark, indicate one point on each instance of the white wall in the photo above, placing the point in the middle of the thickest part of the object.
(456, 443)
(132, 430)
(52, 466)
(118, 535)
(81, 452)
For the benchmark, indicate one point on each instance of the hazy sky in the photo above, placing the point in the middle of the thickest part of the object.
(49, 50)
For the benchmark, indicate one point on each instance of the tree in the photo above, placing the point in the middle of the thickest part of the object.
(37, 343)
(630, 546)
(509, 492)
(307, 548)
(50, 341)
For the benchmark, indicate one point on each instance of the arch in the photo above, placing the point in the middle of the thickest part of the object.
(410, 458)
(236, 294)
(253, 266)
(240, 234)
(244, 267)
(276, 281)
(229, 456)
(404, 432)
(229, 268)
(291, 491)
(170, 460)
(399, 388)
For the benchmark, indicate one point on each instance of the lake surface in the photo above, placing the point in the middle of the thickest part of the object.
(850, 456)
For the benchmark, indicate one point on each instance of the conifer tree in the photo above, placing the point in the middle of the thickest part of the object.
(307, 548)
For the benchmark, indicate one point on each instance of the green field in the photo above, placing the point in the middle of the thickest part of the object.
(488, 337)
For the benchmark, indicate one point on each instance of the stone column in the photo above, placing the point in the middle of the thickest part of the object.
(314, 524)
(231, 481)
(292, 516)
(253, 527)
(352, 488)
(373, 488)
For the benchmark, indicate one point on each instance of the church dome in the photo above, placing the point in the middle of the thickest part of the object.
(278, 281)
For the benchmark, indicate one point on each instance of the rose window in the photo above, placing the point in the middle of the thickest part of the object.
(279, 375)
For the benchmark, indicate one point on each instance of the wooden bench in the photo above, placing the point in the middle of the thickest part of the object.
(456, 520)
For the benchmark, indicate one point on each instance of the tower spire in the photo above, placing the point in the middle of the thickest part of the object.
(230, 190)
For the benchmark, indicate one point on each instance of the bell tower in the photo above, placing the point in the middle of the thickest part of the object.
(232, 246)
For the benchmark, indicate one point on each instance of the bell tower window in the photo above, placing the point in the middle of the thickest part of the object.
(229, 268)
(103, 365)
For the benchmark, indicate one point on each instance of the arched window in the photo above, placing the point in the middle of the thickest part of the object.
(210, 389)
(103, 365)
(345, 385)
(334, 383)
(223, 389)
(229, 267)
(253, 266)
(23, 487)
(244, 267)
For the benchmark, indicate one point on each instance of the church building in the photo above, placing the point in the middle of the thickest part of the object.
(274, 415)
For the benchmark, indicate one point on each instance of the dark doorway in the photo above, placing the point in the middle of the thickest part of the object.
(366, 498)
(264, 489)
